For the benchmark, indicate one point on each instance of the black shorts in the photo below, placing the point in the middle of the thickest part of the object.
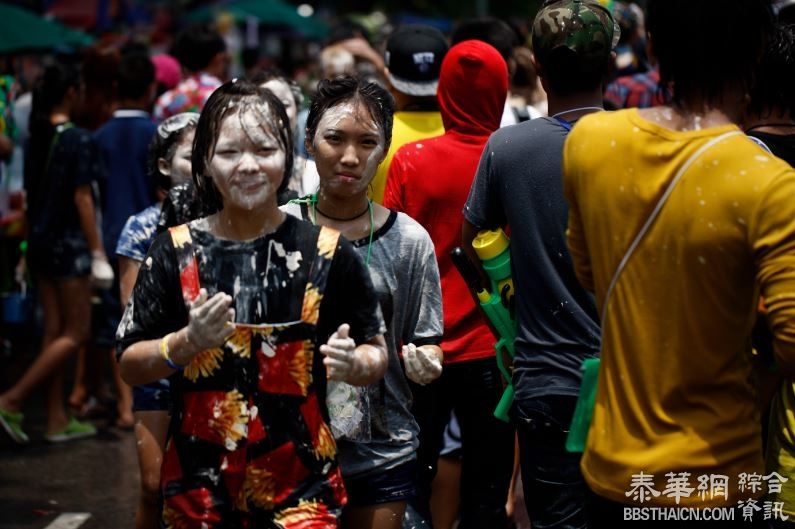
(61, 258)
(382, 486)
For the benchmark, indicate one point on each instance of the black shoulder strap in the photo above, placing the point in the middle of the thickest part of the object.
(521, 114)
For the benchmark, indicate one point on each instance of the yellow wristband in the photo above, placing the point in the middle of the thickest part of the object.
(166, 353)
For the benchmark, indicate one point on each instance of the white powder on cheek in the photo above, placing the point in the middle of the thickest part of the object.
(375, 158)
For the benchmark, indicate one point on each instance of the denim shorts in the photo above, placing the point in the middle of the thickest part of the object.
(155, 396)
(382, 486)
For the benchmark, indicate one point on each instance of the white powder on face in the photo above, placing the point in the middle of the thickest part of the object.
(248, 162)
(332, 119)
(375, 158)
(282, 91)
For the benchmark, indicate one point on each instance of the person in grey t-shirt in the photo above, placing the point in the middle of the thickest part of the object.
(348, 132)
(519, 183)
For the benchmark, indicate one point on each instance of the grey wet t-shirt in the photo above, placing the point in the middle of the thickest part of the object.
(519, 183)
(405, 277)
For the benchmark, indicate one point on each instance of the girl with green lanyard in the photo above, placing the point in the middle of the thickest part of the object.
(348, 132)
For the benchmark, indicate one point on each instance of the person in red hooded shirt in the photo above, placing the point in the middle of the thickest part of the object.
(430, 180)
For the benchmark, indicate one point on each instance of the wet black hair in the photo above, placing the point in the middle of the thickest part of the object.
(775, 83)
(704, 48)
(332, 92)
(168, 136)
(196, 46)
(135, 75)
(49, 90)
(271, 74)
(231, 98)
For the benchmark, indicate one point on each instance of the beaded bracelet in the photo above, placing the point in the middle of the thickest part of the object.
(166, 353)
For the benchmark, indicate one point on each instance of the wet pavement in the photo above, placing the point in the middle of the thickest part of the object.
(98, 476)
(41, 482)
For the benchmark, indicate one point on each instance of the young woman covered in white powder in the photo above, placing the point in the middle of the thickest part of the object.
(233, 305)
(349, 129)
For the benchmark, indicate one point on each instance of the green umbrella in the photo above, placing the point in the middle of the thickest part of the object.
(276, 12)
(21, 29)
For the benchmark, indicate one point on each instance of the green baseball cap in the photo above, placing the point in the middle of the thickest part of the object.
(584, 26)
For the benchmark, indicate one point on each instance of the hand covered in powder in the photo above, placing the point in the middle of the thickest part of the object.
(210, 320)
(422, 366)
(340, 359)
(101, 271)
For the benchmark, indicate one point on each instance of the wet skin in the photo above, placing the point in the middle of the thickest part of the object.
(348, 146)
(248, 163)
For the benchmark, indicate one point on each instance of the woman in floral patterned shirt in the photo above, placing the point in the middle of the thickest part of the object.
(237, 302)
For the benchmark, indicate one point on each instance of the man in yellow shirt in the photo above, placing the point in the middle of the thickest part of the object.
(676, 420)
(413, 58)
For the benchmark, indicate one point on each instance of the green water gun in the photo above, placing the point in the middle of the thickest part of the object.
(493, 249)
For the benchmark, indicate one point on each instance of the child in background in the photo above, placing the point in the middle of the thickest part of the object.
(169, 164)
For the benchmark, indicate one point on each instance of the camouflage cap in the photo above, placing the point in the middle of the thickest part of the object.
(583, 26)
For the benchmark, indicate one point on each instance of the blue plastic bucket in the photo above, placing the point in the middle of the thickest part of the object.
(17, 308)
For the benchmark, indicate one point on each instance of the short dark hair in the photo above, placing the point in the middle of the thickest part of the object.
(232, 97)
(490, 30)
(705, 47)
(332, 92)
(775, 84)
(196, 46)
(135, 75)
(565, 72)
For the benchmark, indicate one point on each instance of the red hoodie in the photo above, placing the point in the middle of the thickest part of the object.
(430, 179)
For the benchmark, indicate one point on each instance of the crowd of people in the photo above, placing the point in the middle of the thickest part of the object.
(293, 337)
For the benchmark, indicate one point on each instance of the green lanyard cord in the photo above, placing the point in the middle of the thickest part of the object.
(312, 199)
(370, 242)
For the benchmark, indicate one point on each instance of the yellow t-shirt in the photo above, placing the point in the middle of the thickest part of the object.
(675, 389)
(407, 127)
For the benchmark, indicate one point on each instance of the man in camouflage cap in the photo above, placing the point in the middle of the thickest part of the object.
(519, 182)
(583, 27)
